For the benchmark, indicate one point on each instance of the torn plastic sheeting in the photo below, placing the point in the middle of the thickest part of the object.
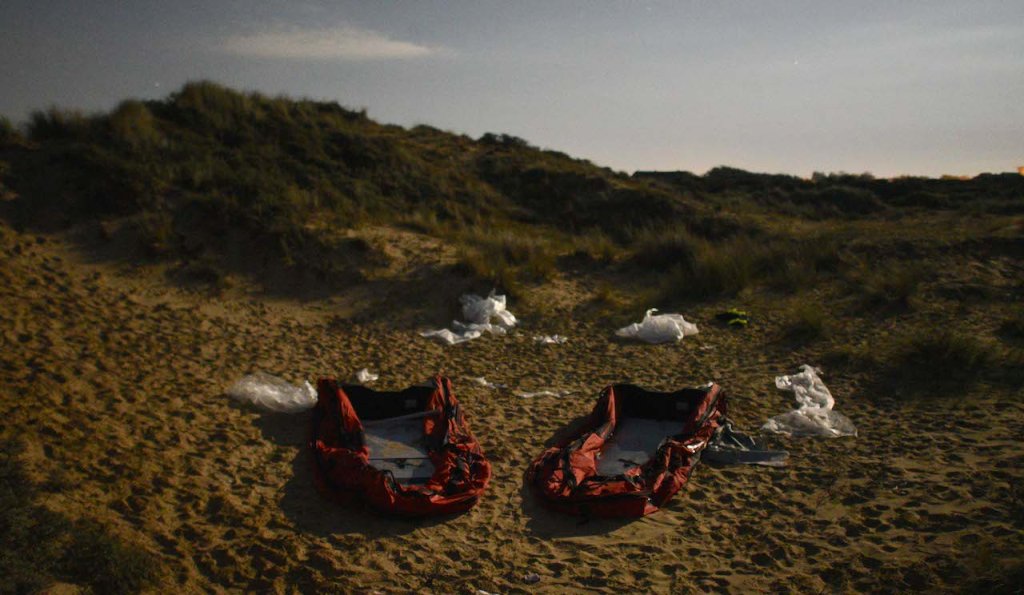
(549, 339)
(658, 328)
(271, 393)
(449, 338)
(814, 415)
(482, 327)
(366, 376)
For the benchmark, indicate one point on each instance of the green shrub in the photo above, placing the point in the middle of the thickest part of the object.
(507, 258)
(805, 321)
(793, 266)
(888, 285)
(725, 269)
(943, 359)
(716, 270)
(839, 200)
(156, 233)
(9, 135)
(664, 249)
(596, 247)
(133, 124)
(55, 123)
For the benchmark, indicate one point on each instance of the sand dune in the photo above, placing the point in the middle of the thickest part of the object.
(115, 382)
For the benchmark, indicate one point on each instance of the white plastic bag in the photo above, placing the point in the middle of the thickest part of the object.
(366, 376)
(478, 310)
(814, 415)
(658, 328)
(272, 393)
(479, 313)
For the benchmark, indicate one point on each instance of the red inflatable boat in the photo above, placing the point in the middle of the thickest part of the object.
(406, 453)
(633, 452)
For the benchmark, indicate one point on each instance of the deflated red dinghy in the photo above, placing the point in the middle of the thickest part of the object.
(633, 452)
(408, 453)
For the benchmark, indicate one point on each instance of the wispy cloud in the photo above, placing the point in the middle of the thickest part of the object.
(336, 43)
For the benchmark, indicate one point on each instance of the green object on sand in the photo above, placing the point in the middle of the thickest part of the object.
(734, 318)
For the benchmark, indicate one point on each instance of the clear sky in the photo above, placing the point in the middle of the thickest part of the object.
(891, 87)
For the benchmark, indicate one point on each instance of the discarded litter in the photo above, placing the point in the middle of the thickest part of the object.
(531, 578)
(478, 310)
(658, 328)
(544, 393)
(734, 318)
(814, 415)
(449, 338)
(365, 376)
(486, 383)
(271, 393)
(732, 447)
(550, 339)
(478, 313)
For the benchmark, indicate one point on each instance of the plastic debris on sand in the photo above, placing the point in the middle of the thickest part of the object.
(449, 338)
(658, 328)
(486, 383)
(550, 339)
(481, 315)
(814, 415)
(366, 376)
(271, 393)
(543, 393)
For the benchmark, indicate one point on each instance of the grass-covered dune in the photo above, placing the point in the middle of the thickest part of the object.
(210, 172)
(291, 173)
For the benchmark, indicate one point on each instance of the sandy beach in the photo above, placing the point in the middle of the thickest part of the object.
(114, 379)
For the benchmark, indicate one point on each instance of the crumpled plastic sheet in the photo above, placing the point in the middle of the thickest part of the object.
(482, 315)
(550, 339)
(366, 376)
(478, 310)
(271, 393)
(814, 415)
(658, 328)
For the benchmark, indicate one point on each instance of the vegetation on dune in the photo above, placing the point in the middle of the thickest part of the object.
(290, 174)
(887, 286)
(843, 195)
(209, 172)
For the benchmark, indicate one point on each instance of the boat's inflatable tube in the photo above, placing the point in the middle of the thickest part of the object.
(407, 453)
(633, 452)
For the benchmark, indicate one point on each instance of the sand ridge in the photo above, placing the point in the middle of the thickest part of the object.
(115, 383)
